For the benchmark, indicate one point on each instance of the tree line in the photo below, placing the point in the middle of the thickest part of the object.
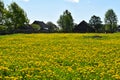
(13, 19)
(67, 22)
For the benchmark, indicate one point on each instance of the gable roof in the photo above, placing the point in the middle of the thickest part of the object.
(41, 24)
(83, 27)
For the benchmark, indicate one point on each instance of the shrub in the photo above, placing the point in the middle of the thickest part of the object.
(36, 27)
(3, 29)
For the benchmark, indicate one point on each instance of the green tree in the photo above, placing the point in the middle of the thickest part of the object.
(1, 12)
(95, 22)
(3, 29)
(66, 21)
(111, 21)
(8, 16)
(17, 16)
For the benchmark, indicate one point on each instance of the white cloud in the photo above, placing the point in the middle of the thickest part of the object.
(25, 0)
(74, 1)
(21, 0)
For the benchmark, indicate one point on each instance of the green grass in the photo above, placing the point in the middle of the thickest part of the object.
(60, 56)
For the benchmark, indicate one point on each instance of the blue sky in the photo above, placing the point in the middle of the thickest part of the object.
(50, 10)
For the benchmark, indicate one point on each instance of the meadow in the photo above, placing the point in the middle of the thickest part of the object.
(60, 56)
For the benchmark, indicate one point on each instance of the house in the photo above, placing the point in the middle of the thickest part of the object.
(44, 27)
(83, 27)
(118, 28)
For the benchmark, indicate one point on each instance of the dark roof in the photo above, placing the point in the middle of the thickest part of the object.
(83, 27)
(42, 24)
(83, 22)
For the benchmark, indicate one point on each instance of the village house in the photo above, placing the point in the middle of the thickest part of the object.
(83, 27)
(44, 27)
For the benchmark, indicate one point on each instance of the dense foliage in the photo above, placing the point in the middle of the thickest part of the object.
(18, 16)
(66, 22)
(95, 22)
(2, 12)
(111, 21)
(60, 57)
(12, 18)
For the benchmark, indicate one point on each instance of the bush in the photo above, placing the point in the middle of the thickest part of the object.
(3, 29)
(110, 28)
(36, 27)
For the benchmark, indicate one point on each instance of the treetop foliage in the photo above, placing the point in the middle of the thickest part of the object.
(18, 16)
(110, 17)
(66, 21)
(111, 21)
(95, 22)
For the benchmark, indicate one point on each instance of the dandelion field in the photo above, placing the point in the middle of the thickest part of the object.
(60, 57)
